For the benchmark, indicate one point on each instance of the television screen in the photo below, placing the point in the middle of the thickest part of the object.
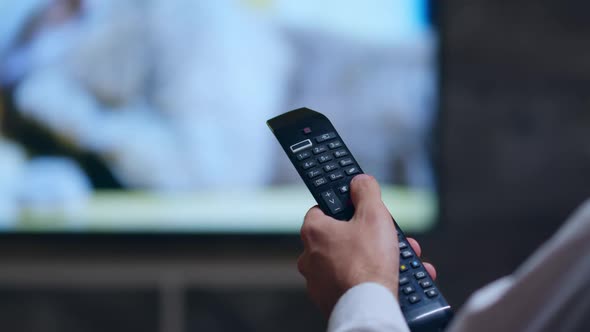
(149, 116)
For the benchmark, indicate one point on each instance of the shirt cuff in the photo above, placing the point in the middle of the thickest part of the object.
(367, 307)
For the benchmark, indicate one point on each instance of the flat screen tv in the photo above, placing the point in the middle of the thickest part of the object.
(149, 116)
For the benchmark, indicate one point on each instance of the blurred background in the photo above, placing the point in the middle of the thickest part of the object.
(141, 190)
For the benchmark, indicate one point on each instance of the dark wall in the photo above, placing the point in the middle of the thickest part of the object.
(515, 145)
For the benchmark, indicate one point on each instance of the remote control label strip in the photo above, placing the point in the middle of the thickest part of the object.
(327, 166)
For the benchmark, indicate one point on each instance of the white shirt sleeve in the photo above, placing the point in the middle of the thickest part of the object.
(549, 292)
(368, 307)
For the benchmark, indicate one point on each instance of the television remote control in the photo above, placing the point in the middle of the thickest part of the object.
(327, 166)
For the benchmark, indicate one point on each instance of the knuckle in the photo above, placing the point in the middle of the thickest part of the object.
(308, 232)
(315, 255)
(311, 227)
(301, 264)
(376, 213)
(312, 214)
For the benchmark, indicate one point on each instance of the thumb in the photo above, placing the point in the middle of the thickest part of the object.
(366, 195)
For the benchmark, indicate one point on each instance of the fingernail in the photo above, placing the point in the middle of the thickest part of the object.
(360, 177)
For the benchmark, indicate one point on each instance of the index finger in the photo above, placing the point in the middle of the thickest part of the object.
(310, 228)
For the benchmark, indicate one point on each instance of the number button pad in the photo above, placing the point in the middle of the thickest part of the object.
(308, 164)
(340, 153)
(336, 176)
(345, 162)
(334, 145)
(324, 158)
(319, 149)
(303, 155)
(330, 167)
(330, 170)
(313, 173)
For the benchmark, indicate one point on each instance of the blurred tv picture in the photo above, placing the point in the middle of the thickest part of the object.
(171, 96)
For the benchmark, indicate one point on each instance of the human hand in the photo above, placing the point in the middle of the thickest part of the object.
(340, 255)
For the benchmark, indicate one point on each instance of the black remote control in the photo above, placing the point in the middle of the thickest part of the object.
(327, 166)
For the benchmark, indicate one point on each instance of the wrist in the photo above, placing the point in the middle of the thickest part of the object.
(366, 302)
(387, 280)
